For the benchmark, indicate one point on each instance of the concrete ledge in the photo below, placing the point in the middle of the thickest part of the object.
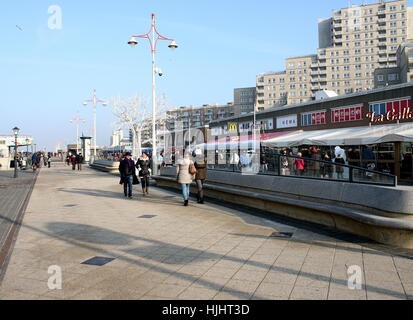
(106, 166)
(385, 199)
(393, 231)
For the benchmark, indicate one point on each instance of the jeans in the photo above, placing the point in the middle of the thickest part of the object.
(200, 185)
(185, 191)
(127, 186)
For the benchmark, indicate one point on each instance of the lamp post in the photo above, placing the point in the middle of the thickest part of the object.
(27, 153)
(153, 42)
(77, 121)
(16, 134)
(94, 102)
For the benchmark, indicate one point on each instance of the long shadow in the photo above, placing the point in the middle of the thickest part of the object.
(315, 228)
(93, 193)
(56, 229)
(408, 252)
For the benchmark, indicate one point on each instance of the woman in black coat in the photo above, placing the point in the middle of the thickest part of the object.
(144, 166)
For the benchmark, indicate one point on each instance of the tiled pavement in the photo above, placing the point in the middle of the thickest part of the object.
(200, 252)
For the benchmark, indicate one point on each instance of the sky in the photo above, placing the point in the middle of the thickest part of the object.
(46, 73)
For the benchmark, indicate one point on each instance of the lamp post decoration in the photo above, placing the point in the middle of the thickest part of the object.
(95, 100)
(78, 120)
(16, 134)
(153, 36)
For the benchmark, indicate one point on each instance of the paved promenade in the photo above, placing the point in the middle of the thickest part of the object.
(14, 194)
(162, 250)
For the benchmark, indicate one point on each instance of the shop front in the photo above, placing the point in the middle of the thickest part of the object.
(384, 148)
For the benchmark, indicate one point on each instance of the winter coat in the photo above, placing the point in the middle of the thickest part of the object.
(315, 156)
(201, 171)
(339, 169)
(127, 168)
(299, 164)
(184, 177)
(144, 166)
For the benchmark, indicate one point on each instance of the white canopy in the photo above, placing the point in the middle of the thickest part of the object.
(345, 136)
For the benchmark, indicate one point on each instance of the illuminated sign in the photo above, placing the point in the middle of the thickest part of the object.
(391, 110)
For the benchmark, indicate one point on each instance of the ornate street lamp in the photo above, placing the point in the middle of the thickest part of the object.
(95, 102)
(153, 42)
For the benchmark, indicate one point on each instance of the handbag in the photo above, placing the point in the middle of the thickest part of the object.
(192, 169)
(135, 180)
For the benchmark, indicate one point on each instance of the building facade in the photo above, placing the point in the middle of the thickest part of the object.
(384, 107)
(244, 100)
(353, 43)
(197, 117)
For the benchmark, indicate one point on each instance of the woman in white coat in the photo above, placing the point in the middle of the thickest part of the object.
(185, 178)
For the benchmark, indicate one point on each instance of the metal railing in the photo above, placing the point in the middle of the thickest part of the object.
(288, 166)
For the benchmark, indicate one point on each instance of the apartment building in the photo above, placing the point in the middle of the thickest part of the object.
(197, 117)
(276, 89)
(244, 100)
(405, 62)
(353, 43)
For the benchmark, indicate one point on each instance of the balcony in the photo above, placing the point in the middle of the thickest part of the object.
(381, 20)
(382, 28)
(314, 73)
(321, 65)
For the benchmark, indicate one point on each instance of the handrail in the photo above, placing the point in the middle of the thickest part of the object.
(356, 175)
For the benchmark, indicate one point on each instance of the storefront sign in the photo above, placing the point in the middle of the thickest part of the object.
(287, 122)
(405, 114)
(390, 110)
(233, 127)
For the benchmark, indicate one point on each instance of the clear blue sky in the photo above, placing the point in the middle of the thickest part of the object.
(46, 74)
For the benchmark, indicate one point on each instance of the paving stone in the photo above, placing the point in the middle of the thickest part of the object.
(309, 293)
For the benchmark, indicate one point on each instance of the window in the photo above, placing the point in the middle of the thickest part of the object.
(397, 106)
(313, 118)
(380, 77)
(393, 77)
(345, 114)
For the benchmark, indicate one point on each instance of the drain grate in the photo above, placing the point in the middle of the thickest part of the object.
(98, 261)
(283, 235)
(71, 205)
(146, 217)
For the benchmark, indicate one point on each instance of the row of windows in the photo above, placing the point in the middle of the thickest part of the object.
(382, 108)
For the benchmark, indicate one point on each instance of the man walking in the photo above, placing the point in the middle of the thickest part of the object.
(79, 160)
(127, 171)
(73, 161)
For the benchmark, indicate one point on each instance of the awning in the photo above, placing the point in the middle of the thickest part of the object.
(345, 136)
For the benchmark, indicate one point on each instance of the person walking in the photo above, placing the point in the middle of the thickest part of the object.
(339, 169)
(49, 160)
(144, 167)
(73, 161)
(299, 164)
(79, 160)
(285, 165)
(34, 161)
(201, 174)
(127, 172)
(316, 156)
(326, 168)
(186, 174)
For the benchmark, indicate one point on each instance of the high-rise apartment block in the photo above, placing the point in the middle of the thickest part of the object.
(353, 43)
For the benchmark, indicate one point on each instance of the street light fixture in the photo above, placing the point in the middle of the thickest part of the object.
(16, 134)
(77, 121)
(94, 102)
(153, 42)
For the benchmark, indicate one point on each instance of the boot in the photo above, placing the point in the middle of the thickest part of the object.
(186, 203)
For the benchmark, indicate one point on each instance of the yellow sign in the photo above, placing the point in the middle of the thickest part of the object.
(233, 127)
